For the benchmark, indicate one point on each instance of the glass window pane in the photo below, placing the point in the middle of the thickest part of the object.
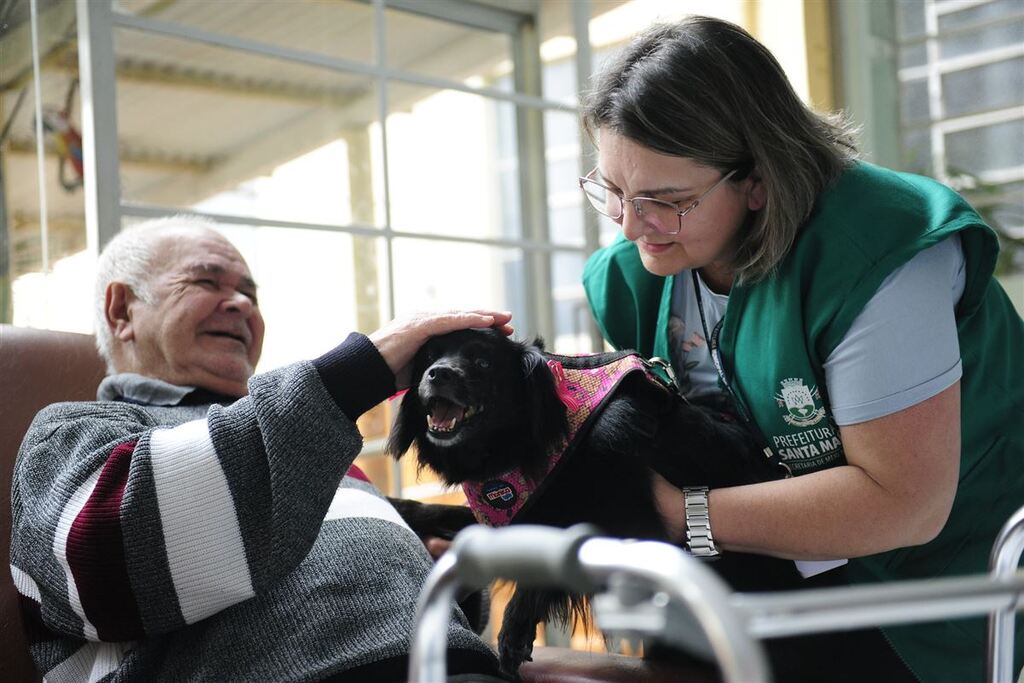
(566, 219)
(572, 313)
(1002, 207)
(987, 38)
(910, 18)
(449, 50)
(452, 163)
(914, 55)
(917, 151)
(433, 275)
(1005, 208)
(914, 101)
(335, 285)
(559, 77)
(59, 299)
(992, 86)
(997, 9)
(42, 271)
(342, 29)
(565, 201)
(609, 230)
(558, 51)
(982, 149)
(266, 138)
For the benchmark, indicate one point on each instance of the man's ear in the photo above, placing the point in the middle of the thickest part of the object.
(117, 305)
(757, 195)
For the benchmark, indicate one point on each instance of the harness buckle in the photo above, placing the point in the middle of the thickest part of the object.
(657, 366)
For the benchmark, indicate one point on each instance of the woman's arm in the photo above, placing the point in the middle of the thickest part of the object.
(896, 490)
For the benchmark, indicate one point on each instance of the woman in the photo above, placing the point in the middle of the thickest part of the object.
(856, 321)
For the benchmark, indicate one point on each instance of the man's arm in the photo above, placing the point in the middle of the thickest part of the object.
(126, 528)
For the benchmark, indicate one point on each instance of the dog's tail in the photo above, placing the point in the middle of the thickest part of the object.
(573, 612)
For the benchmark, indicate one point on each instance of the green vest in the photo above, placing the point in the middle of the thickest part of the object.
(777, 333)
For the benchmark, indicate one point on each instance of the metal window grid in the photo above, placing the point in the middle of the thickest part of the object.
(104, 206)
(939, 124)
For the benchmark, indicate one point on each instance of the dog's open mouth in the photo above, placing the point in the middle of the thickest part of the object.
(446, 417)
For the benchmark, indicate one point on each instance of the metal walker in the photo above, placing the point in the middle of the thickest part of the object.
(638, 587)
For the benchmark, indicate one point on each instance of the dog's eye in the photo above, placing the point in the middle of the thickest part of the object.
(483, 363)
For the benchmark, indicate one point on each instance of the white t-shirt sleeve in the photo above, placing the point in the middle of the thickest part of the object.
(903, 347)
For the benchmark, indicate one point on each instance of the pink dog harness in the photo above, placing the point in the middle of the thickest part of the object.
(583, 390)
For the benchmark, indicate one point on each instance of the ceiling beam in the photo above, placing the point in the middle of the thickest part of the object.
(153, 73)
(175, 163)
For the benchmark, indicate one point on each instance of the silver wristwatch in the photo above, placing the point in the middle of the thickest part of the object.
(699, 541)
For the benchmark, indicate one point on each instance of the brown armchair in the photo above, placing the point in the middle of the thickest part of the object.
(40, 367)
(37, 368)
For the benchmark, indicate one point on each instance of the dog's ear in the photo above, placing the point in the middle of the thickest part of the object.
(533, 360)
(548, 422)
(409, 424)
(538, 343)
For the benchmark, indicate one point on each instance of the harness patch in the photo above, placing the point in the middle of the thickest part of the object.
(498, 494)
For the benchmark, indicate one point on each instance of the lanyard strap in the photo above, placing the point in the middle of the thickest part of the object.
(716, 359)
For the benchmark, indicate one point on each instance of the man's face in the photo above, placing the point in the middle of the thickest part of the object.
(204, 328)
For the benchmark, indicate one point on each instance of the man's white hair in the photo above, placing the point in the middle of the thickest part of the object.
(128, 258)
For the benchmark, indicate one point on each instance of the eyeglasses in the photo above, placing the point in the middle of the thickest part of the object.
(665, 217)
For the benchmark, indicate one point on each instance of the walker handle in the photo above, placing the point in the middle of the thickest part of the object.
(531, 555)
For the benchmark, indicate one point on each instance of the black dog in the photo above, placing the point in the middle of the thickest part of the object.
(482, 405)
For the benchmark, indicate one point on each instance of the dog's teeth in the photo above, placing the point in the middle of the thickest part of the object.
(441, 426)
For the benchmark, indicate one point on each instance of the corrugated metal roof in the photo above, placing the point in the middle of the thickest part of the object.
(195, 119)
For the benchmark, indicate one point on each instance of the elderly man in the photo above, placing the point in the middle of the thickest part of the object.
(198, 522)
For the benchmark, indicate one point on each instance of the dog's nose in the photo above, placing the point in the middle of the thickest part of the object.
(441, 373)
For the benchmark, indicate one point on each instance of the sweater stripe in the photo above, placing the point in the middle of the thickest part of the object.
(355, 503)
(91, 662)
(205, 551)
(25, 584)
(356, 473)
(68, 515)
(95, 552)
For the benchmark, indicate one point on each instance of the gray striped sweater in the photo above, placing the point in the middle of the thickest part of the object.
(161, 536)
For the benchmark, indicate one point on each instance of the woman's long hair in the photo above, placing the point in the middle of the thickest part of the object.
(705, 89)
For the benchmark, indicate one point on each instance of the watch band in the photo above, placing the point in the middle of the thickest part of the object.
(699, 540)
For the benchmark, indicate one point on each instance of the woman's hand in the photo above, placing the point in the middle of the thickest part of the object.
(399, 340)
(669, 500)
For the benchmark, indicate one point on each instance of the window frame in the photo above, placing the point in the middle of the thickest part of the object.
(105, 207)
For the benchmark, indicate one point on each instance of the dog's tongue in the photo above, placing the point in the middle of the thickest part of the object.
(444, 414)
(445, 411)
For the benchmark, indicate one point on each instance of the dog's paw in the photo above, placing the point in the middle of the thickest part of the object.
(513, 651)
(452, 519)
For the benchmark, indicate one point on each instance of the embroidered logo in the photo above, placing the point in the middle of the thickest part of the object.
(498, 494)
(800, 403)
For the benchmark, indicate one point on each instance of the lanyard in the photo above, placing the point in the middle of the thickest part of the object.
(716, 359)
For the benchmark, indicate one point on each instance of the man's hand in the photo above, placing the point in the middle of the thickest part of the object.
(399, 340)
(436, 546)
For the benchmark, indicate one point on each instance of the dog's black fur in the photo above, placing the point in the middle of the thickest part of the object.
(432, 519)
(514, 415)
